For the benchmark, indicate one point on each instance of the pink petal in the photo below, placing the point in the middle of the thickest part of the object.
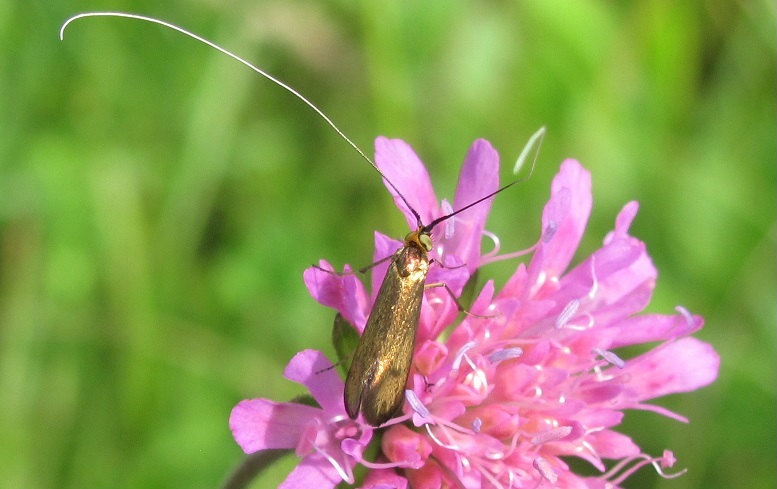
(484, 299)
(431, 476)
(601, 393)
(384, 247)
(594, 483)
(611, 444)
(627, 287)
(345, 293)
(453, 275)
(677, 366)
(624, 273)
(571, 450)
(623, 221)
(613, 269)
(313, 471)
(429, 356)
(512, 380)
(600, 418)
(438, 309)
(355, 302)
(312, 369)
(496, 420)
(479, 177)
(567, 212)
(399, 163)
(259, 424)
(384, 479)
(516, 285)
(614, 283)
(653, 327)
(401, 444)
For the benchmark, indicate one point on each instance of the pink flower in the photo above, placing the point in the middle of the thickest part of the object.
(329, 443)
(505, 396)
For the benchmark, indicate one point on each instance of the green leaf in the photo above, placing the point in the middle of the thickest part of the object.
(344, 339)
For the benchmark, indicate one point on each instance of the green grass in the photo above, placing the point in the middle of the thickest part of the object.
(159, 202)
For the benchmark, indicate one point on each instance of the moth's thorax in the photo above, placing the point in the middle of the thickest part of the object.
(412, 262)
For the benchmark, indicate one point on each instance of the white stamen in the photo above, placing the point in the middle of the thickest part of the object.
(505, 354)
(551, 435)
(620, 471)
(686, 314)
(569, 311)
(497, 244)
(347, 477)
(438, 441)
(461, 353)
(668, 476)
(611, 357)
(545, 470)
(416, 404)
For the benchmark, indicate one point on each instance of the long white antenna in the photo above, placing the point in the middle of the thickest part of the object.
(246, 63)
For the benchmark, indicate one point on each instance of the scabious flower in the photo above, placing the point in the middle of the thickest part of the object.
(528, 379)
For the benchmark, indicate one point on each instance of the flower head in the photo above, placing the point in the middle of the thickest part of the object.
(530, 377)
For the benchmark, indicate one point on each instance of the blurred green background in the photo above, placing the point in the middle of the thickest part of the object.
(159, 202)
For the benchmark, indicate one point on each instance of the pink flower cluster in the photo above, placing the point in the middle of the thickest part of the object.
(500, 400)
